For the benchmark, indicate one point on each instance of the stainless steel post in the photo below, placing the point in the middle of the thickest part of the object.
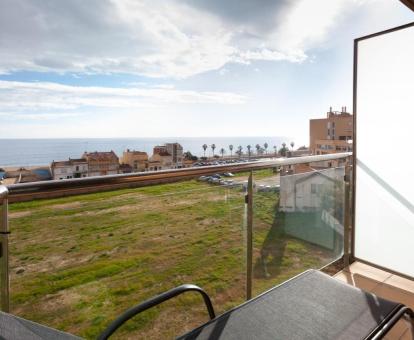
(4, 251)
(249, 238)
(347, 216)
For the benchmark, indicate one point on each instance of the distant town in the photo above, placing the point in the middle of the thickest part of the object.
(327, 135)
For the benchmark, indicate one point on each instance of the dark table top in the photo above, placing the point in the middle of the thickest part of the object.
(310, 306)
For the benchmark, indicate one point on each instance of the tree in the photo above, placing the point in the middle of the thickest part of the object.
(248, 149)
(222, 151)
(283, 150)
(257, 148)
(205, 148)
(231, 150)
(292, 144)
(275, 148)
(239, 150)
(213, 147)
(265, 145)
(188, 155)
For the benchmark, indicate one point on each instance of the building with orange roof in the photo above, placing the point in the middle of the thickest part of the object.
(102, 163)
(161, 159)
(137, 160)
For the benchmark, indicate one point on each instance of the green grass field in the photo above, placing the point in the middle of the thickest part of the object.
(78, 262)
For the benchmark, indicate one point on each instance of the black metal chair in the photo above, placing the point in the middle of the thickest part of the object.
(311, 305)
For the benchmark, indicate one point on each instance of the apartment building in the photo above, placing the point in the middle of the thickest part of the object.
(72, 168)
(332, 134)
(102, 163)
(176, 152)
(160, 159)
(137, 160)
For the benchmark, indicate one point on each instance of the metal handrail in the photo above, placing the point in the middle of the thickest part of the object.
(68, 187)
(3, 192)
(4, 250)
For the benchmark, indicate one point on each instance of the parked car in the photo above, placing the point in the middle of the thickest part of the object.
(228, 183)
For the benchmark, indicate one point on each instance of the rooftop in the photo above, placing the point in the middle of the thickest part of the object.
(100, 156)
(71, 161)
(134, 152)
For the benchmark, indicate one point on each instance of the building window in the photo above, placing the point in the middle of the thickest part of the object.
(314, 188)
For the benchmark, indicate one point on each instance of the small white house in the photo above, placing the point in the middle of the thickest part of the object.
(73, 168)
(304, 192)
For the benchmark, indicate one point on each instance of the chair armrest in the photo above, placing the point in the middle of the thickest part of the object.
(154, 301)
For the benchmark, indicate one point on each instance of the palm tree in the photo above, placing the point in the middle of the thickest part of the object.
(292, 144)
(205, 148)
(213, 146)
(275, 148)
(248, 149)
(239, 150)
(283, 149)
(265, 145)
(222, 151)
(231, 150)
(258, 148)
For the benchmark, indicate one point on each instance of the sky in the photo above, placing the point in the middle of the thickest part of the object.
(190, 68)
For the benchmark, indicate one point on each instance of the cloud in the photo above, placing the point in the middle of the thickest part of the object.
(48, 100)
(155, 38)
(37, 116)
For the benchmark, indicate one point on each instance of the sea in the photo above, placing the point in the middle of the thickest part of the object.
(40, 152)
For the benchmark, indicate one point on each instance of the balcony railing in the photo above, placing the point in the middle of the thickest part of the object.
(76, 261)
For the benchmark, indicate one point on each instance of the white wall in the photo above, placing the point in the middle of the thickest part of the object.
(384, 216)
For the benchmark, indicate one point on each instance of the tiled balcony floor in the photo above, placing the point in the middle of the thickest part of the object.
(385, 285)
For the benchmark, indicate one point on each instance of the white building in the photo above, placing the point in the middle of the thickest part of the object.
(160, 160)
(306, 191)
(73, 168)
(167, 156)
(176, 151)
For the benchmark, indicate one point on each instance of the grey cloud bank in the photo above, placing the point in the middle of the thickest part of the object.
(156, 38)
